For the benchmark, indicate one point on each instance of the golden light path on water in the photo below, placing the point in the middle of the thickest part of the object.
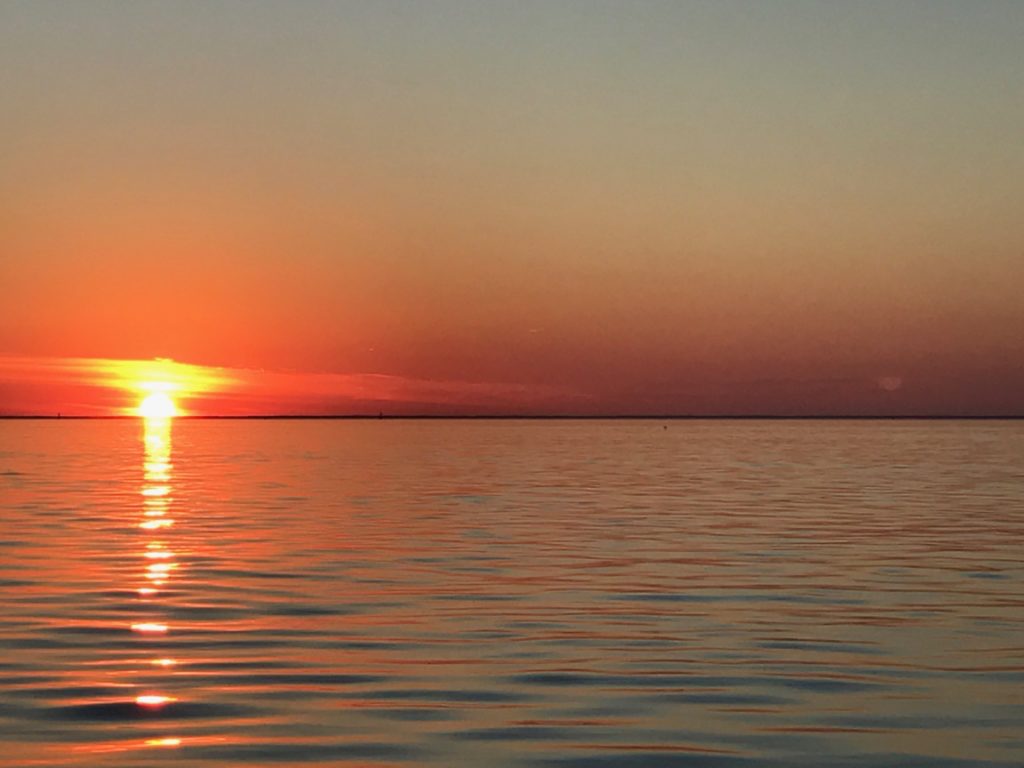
(157, 556)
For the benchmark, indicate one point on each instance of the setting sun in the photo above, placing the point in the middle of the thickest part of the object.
(158, 405)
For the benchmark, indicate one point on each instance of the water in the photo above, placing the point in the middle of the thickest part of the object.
(610, 594)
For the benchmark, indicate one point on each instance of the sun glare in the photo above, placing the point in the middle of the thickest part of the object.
(158, 405)
(159, 389)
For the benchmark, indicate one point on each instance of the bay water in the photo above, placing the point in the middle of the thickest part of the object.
(615, 593)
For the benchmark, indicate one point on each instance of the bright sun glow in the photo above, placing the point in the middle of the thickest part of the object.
(158, 405)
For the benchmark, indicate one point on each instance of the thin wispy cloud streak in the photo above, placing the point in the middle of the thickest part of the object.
(96, 386)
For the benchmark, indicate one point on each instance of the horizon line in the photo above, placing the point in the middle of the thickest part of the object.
(535, 417)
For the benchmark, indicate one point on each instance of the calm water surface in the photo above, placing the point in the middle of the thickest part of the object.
(610, 594)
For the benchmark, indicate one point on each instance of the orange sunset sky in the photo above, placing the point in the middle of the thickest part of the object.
(469, 208)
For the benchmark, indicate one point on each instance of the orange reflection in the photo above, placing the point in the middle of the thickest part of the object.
(158, 557)
(156, 439)
(150, 627)
(165, 742)
(156, 489)
(153, 700)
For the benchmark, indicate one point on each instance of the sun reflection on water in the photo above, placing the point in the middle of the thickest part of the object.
(149, 626)
(158, 558)
(165, 742)
(151, 525)
(153, 700)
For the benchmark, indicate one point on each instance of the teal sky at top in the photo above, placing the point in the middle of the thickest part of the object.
(581, 171)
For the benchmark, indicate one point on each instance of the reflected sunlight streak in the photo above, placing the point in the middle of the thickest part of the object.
(165, 742)
(156, 490)
(149, 627)
(154, 700)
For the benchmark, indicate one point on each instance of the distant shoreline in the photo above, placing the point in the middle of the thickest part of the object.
(526, 417)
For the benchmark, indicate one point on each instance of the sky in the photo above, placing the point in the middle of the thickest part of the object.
(692, 208)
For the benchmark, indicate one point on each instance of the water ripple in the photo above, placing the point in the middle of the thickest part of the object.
(521, 594)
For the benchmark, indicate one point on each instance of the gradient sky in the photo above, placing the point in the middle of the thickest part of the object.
(586, 207)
